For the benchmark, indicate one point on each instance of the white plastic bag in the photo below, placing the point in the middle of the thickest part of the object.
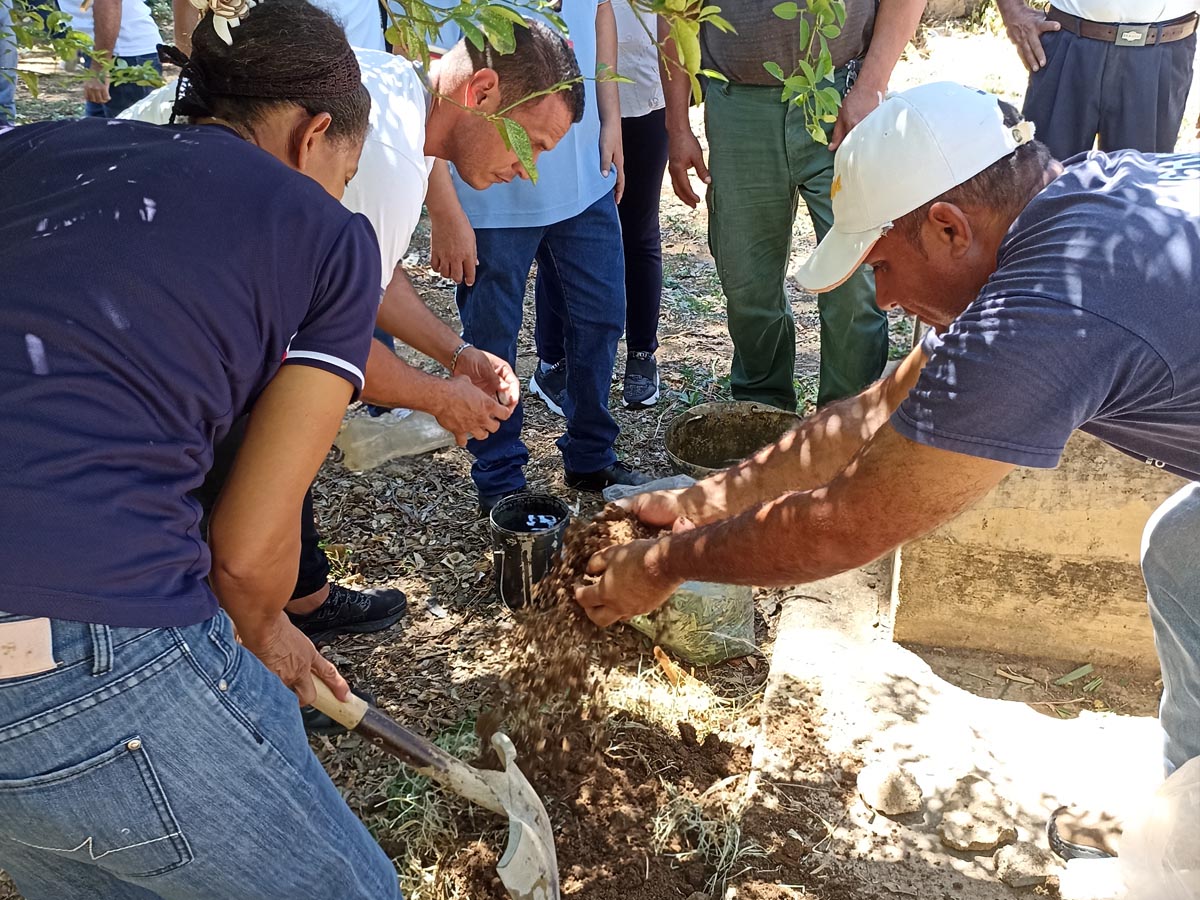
(1160, 850)
(370, 442)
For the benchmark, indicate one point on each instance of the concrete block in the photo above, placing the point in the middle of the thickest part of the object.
(1047, 565)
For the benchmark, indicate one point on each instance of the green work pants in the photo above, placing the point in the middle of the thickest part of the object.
(762, 161)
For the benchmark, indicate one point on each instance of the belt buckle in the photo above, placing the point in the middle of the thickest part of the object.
(1132, 35)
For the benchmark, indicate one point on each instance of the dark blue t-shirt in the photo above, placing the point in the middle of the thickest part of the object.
(154, 278)
(1091, 321)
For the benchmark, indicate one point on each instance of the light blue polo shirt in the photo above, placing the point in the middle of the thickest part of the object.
(569, 178)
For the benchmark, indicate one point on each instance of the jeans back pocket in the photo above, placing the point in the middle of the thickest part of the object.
(108, 811)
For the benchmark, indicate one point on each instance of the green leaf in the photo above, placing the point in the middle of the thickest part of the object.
(30, 80)
(718, 22)
(830, 31)
(499, 30)
(787, 10)
(805, 34)
(809, 72)
(1093, 684)
(1086, 669)
(713, 75)
(512, 14)
(472, 33)
(798, 84)
(839, 12)
(775, 69)
(817, 133)
(516, 139)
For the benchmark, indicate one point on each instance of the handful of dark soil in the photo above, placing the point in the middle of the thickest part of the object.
(550, 699)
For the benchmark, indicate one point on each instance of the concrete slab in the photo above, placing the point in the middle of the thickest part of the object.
(878, 701)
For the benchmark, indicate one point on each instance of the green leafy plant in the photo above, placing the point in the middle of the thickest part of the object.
(811, 86)
(32, 25)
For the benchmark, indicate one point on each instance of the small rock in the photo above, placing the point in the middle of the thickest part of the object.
(976, 818)
(1025, 864)
(891, 790)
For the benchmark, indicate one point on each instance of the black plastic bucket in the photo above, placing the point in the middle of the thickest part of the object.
(527, 531)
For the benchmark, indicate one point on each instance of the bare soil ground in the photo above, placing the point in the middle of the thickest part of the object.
(668, 812)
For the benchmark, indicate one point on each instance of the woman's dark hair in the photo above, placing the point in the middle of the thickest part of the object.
(1003, 187)
(283, 52)
(542, 59)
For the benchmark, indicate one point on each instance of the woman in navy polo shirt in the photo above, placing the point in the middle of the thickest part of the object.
(158, 282)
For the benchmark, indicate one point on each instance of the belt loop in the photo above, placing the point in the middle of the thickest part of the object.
(102, 649)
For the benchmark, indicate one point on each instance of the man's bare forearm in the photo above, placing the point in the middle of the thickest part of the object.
(893, 490)
(107, 22)
(404, 315)
(391, 382)
(608, 98)
(895, 24)
(677, 88)
(810, 456)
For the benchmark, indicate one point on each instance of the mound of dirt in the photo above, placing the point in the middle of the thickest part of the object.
(605, 822)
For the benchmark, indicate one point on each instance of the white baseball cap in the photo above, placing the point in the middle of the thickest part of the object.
(914, 147)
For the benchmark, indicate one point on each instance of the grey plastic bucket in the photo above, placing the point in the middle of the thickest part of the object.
(527, 533)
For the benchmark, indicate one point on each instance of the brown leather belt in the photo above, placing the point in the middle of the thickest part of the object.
(1125, 35)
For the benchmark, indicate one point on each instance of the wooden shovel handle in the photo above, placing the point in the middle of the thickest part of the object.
(348, 712)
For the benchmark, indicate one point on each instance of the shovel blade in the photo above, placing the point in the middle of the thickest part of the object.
(528, 868)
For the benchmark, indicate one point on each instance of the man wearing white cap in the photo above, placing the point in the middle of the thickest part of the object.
(1059, 298)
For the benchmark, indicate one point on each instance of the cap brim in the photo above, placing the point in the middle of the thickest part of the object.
(836, 258)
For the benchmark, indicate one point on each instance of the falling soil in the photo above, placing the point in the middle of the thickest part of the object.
(550, 698)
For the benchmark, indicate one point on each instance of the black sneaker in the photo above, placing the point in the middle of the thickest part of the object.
(641, 380)
(347, 611)
(617, 473)
(316, 722)
(551, 385)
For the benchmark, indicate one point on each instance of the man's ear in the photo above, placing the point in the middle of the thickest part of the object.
(309, 132)
(483, 91)
(948, 226)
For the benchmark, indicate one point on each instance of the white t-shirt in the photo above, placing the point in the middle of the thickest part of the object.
(637, 58)
(393, 171)
(1131, 11)
(360, 19)
(137, 36)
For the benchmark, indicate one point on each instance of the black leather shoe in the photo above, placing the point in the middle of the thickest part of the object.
(617, 473)
(346, 611)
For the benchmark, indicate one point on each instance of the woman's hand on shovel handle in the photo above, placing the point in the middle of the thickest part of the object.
(287, 652)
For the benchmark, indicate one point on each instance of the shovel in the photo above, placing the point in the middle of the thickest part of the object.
(528, 868)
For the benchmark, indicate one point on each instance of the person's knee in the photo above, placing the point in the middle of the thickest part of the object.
(1172, 534)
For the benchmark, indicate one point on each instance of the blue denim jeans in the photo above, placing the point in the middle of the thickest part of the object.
(122, 96)
(169, 763)
(582, 260)
(1171, 566)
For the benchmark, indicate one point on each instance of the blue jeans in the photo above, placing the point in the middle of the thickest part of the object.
(122, 96)
(1171, 567)
(170, 764)
(582, 262)
(8, 65)
(644, 139)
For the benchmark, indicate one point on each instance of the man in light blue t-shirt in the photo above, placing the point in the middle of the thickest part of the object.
(568, 223)
(1062, 297)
